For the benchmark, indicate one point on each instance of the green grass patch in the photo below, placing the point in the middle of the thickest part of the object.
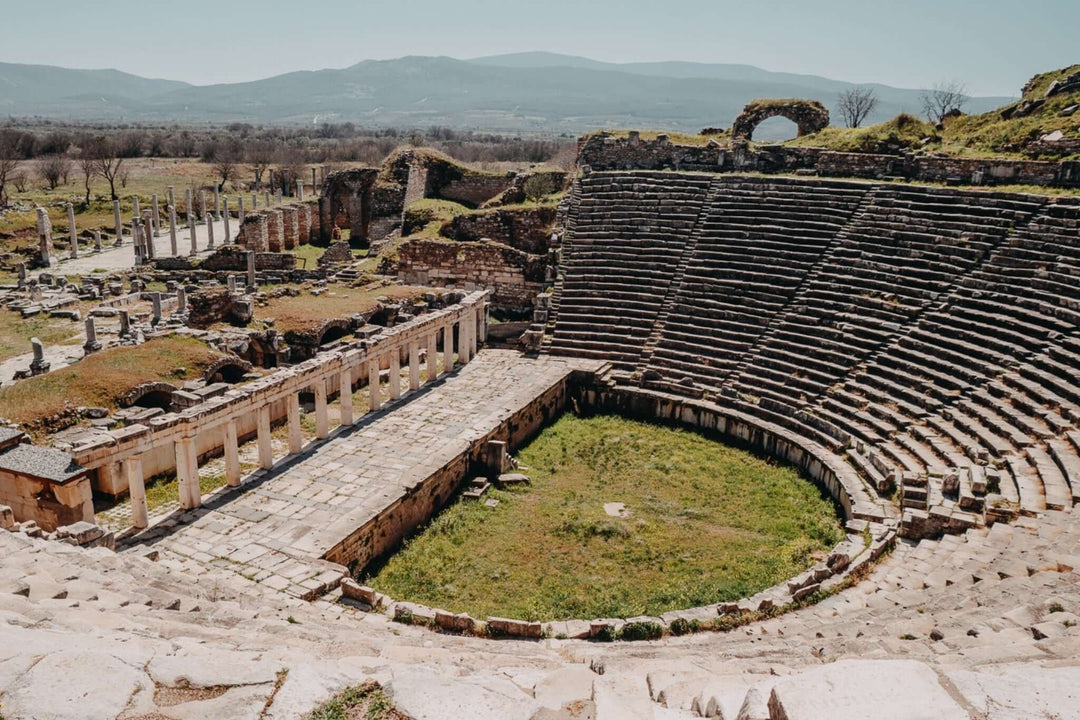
(706, 523)
(358, 702)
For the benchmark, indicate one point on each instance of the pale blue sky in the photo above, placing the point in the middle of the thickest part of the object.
(992, 45)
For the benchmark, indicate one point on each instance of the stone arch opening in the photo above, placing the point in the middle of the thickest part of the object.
(334, 330)
(810, 116)
(227, 370)
(150, 395)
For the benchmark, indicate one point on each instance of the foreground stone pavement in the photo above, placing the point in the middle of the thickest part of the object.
(982, 624)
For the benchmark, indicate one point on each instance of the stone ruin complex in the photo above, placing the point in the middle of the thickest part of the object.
(912, 349)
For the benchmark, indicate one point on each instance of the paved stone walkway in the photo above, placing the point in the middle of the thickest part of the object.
(278, 523)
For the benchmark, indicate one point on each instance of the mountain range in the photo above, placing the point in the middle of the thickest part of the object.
(525, 92)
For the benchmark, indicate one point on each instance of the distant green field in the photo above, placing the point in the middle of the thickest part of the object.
(704, 523)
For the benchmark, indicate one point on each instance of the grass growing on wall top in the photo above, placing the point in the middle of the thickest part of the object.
(706, 523)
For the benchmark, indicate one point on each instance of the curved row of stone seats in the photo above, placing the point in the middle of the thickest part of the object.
(901, 254)
(757, 240)
(628, 233)
(981, 378)
(933, 337)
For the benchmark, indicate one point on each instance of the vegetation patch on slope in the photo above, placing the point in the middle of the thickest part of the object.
(101, 379)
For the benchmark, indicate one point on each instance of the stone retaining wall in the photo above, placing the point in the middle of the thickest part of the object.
(423, 500)
(601, 152)
(526, 229)
(515, 276)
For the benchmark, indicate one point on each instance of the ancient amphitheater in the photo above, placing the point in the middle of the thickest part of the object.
(914, 349)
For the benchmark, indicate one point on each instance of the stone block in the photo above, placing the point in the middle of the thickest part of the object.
(515, 628)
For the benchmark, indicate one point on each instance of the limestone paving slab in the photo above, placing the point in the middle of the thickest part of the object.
(278, 524)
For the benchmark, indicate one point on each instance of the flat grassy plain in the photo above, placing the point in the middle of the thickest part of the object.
(704, 523)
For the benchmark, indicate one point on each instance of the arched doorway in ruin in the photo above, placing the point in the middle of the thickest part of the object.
(810, 116)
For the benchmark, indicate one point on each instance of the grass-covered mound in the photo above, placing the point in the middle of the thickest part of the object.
(704, 523)
(103, 378)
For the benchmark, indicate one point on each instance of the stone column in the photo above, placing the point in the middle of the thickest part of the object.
(254, 201)
(148, 235)
(38, 366)
(373, 384)
(251, 269)
(395, 374)
(133, 471)
(73, 233)
(414, 365)
(232, 283)
(217, 201)
(232, 455)
(172, 199)
(299, 191)
(202, 204)
(292, 413)
(136, 239)
(125, 323)
(210, 232)
(187, 473)
(135, 205)
(155, 299)
(44, 228)
(181, 300)
(21, 268)
(97, 241)
(266, 198)
(118, 222)
(448, 347)
(463, 339)
(266, 450)
(433, 356)
(471, 322)
(322, 421)
(156, 216)
(192, 235)
(240, 209)
(188, 214)
(172, 231)
(225, 217)
(91, 345)
(345, 396)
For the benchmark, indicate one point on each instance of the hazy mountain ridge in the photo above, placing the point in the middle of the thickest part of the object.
(522, 92)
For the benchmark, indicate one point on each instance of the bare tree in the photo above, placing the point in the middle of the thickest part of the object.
(943, 99)
(856, 104)
(226, 158)
(89, 166)
(290, 168)
(109, 162)
(54, 170)
(9, 162)
(260, 155)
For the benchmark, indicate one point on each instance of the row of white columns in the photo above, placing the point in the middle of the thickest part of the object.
(471, 329)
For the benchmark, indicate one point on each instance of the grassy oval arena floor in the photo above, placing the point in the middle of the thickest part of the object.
(701, 522)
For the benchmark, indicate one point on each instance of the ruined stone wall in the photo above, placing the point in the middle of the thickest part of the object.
(515, 276)
(275, 231)
(600, 152)
(234, 258)
(473, 190)
(527, 229)
(290, 229)
(50, 504)
(253, 233)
